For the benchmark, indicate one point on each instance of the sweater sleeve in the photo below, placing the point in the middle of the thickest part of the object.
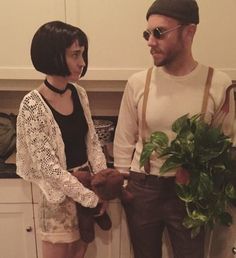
(96, 156)
(127, 130)
(221, 105)
(37, 159)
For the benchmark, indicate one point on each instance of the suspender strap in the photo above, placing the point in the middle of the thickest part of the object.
(207, 90)
(144, 108)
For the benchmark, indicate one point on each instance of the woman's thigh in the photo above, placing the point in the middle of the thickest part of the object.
(76, 249)
(58, 250)
(58, 222)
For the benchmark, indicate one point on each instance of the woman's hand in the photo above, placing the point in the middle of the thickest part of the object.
(102, 207)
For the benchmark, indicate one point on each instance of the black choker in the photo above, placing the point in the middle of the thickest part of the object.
(54, 89)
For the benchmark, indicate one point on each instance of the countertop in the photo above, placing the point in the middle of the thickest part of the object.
(8, 170)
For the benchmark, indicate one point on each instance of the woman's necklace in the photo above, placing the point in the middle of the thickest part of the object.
(54, 89)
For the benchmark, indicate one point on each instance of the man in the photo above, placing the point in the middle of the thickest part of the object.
(177, 86)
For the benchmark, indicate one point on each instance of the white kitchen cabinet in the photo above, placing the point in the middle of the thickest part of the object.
(19, 20)
(110, 58)
(114, 28)
(108, 243)
(17, 237)
(17, 229)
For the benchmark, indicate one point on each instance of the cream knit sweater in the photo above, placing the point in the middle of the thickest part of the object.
(40, 154)
(169, 98)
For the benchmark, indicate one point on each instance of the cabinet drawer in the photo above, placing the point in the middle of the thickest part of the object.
(15, 191)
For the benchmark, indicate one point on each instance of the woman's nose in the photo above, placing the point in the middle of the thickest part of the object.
(81, 62)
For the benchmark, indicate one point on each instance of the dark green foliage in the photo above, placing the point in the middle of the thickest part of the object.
(205, 152)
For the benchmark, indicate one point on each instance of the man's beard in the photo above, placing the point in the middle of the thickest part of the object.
(168, 58)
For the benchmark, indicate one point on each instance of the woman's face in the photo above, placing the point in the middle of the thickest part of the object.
(75, 61)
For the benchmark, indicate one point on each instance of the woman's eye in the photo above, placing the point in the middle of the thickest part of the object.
(76, 55)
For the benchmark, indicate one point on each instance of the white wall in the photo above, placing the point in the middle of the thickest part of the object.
(215, 42)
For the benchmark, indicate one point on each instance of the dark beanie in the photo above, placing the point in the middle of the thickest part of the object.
(185, 11)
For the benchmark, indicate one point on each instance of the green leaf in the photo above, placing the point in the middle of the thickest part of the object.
(180, 123)
(199, 216)
(194, 225)
(159, 139)
(230, 191)
(189, 222)
(205, 185)
(196, 119)
(170, 163)
(146, 153)
(184, 193)
(207, 154)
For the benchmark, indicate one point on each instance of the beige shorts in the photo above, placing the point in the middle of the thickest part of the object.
(58, 222)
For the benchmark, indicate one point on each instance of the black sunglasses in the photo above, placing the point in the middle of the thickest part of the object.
(158, 32)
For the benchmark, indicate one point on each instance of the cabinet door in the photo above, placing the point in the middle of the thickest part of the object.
(17, 237)
(19, 20)
(114, 28)
(38, 240)
(107, 243)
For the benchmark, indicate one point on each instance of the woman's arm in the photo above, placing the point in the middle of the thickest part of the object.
(37, 153)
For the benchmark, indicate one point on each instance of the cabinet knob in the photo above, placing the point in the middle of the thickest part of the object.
(234, 250)
(29, 229)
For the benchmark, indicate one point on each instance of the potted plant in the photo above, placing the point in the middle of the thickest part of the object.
(205, 177)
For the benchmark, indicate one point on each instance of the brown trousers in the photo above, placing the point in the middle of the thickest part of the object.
(154, 208)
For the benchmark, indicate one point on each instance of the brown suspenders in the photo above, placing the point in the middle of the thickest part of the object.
(145, 98)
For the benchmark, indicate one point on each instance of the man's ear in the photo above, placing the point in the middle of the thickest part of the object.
(190, 31)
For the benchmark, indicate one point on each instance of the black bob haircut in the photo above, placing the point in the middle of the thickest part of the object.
(49, 45)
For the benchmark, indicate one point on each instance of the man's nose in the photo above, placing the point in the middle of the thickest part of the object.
(152, 41)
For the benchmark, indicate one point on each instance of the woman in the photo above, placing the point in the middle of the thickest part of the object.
(56, 137)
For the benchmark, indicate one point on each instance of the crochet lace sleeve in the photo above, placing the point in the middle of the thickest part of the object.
(37, 149)
(95, 154)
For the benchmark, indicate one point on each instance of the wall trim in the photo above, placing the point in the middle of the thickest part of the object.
(116, 74)
(28, 73)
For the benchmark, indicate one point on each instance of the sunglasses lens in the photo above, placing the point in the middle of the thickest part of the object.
(157, 33)
(146, 35)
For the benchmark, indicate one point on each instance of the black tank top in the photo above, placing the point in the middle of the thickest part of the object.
(74, 129)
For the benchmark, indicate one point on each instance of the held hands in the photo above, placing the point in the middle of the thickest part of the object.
(107, 184)
(88, 216)
(85, 178)
(102, 208)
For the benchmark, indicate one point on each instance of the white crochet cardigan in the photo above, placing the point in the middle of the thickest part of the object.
(40, 156)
